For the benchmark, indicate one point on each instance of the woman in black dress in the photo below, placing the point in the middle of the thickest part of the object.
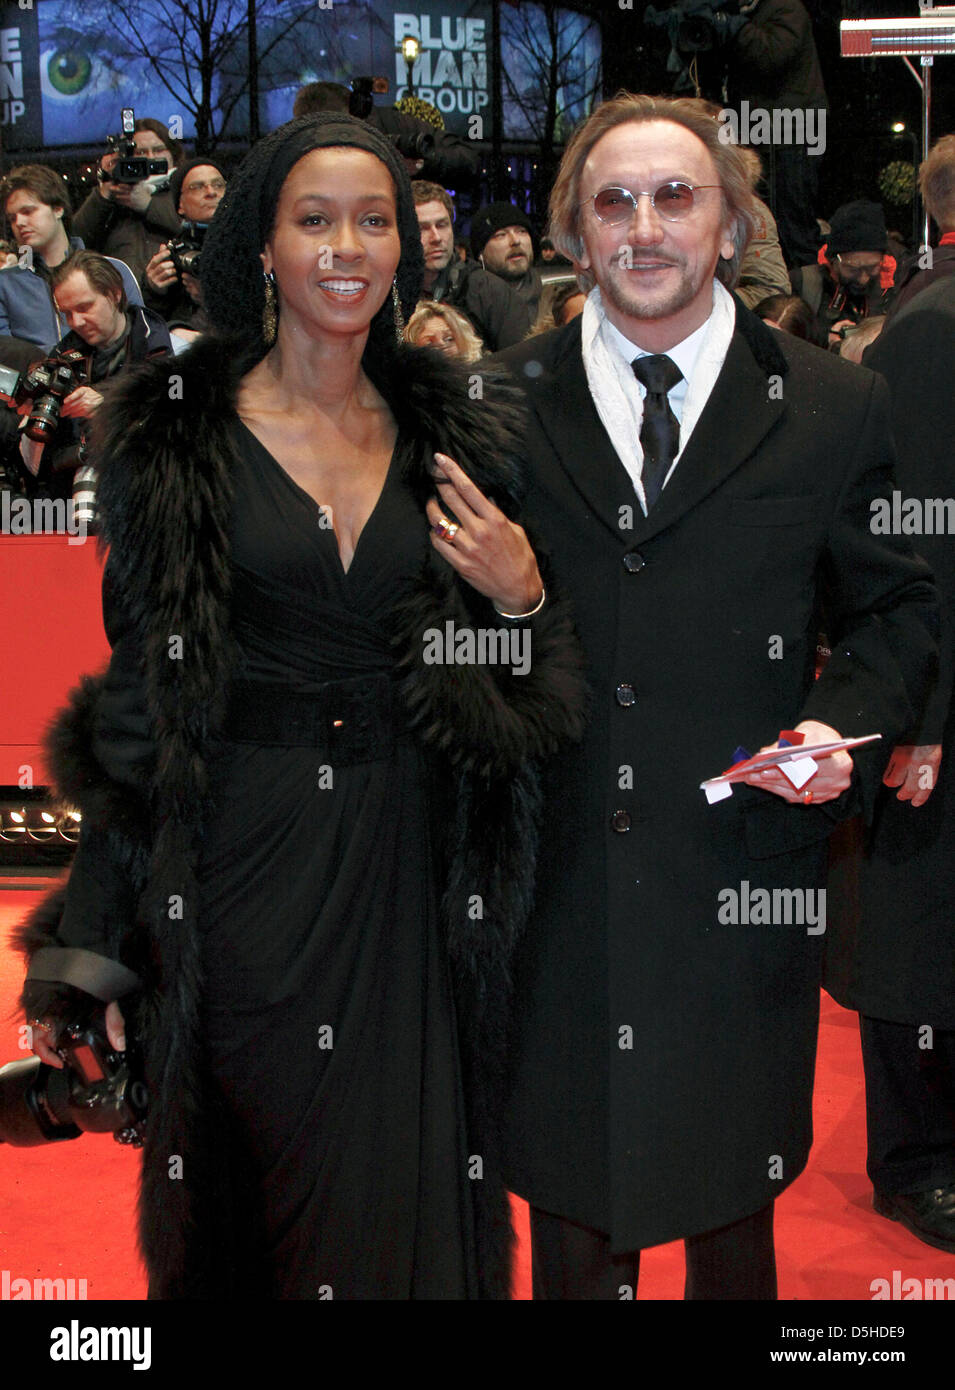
(306, 850)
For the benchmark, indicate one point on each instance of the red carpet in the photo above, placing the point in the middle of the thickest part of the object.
(67, 1210)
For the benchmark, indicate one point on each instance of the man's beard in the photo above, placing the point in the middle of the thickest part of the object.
(511, 272)
(647, 307)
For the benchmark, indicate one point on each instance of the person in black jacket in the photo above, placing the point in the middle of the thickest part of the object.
(503, 239)
(851, 279)
(661, 1054)
(773, 64)
(451, 160)
(928, 264)
(891, 950)
(196, 189)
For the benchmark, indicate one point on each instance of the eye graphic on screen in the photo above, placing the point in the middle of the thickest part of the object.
(71, 71)
(68, 71)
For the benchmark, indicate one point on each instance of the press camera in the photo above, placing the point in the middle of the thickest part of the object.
(99, 1091)
(130, 166)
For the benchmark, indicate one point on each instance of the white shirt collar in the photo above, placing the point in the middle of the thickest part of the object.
(683, 354)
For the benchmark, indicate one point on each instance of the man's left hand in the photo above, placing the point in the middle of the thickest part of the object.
(831, 780)
(913, 768)
(81, 403)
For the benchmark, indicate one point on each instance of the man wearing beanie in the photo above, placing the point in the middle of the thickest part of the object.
(502, 239)
(196, 188)
(854, 273)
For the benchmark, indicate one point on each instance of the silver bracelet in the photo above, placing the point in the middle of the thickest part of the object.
(517, 617)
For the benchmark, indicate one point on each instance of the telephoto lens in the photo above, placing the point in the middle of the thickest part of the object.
(84, 496)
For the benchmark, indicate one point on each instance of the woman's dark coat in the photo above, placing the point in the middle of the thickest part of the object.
(131, 750)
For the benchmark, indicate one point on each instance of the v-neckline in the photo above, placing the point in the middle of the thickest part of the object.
(307, 496)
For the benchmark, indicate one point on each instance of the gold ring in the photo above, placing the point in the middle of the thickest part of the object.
(446, 530)
(807, 797)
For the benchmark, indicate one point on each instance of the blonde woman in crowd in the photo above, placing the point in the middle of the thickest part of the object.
(439, 326)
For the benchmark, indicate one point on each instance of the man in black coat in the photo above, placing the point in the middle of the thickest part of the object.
(928, 264)
(892, 951)
(449, 159)
(667, 985)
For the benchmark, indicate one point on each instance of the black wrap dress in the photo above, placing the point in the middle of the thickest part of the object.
(326, 1001)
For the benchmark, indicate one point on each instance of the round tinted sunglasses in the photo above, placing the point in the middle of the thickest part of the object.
(672, 201)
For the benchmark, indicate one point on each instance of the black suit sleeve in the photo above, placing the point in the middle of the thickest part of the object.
(884, 610)
(916, 356)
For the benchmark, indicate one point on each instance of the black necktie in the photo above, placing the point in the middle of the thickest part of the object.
(660, 431)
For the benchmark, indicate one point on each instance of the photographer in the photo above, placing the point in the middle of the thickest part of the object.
(37, 207)
(196, 189)
(106, 335)
(774, 64)
(449, 160)
(129, 220)
(761, 52)
(853, 274)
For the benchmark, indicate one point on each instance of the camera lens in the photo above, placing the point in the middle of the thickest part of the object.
(44, 418)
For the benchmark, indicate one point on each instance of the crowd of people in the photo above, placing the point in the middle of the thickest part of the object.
(667, 497)
(479, 296)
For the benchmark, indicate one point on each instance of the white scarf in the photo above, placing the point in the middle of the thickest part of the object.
(614, 387)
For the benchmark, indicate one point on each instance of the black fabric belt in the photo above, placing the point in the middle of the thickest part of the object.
(100, 976)
(354, 721)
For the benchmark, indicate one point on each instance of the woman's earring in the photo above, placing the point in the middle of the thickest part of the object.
(270, 313)
(399, 316)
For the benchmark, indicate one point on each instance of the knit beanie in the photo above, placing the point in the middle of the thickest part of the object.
(858, 226)
(178, 176)
(488, 220)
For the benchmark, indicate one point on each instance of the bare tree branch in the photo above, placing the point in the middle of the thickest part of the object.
(193, 48)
